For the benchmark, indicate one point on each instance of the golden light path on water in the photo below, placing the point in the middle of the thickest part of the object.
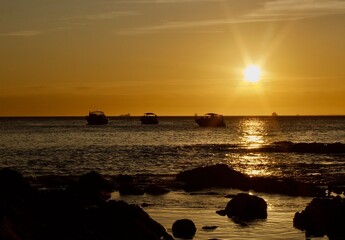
(253, 135)
(253, 132)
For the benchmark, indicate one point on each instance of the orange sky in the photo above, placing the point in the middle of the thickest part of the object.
(171, 57)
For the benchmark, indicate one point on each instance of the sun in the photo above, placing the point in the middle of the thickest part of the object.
(252, 73)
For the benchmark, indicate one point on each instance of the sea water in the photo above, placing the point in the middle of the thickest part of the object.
(65, 146)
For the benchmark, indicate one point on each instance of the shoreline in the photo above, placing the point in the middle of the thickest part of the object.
(165, 203)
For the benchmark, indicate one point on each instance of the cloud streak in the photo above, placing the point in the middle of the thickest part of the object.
(25, 33)
(268, 11)
(295, 10)
(102, 16)
(80, 20)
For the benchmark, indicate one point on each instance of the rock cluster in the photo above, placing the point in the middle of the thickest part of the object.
(81, 211)
(222, 175)
(219, 175)
(323, 216)
(79, 207)
(184, 228)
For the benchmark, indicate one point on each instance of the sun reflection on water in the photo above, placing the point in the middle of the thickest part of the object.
(253, 135)
(255, 165)
(253, 131)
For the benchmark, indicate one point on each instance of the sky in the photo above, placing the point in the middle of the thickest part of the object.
(171, 57)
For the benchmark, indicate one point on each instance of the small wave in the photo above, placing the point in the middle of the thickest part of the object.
(278, 147)
(315, 147)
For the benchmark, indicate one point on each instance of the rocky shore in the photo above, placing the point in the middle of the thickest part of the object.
(79, 207)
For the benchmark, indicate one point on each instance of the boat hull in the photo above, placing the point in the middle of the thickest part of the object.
(209, 122)
(97, 121)
(149, 120)
(97, 118)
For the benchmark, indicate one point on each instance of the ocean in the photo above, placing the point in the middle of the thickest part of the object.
(257, 146)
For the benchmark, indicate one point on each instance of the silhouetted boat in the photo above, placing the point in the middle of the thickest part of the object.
(149, 118)
(210, 120)
(96, 118)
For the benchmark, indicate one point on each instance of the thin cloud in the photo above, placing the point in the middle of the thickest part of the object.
(81, 20)
(296, 9)
(25, 33)
(269, 11)
(102, 16)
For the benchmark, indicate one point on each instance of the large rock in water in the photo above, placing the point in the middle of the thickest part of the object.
(220, 175)
(323, 216)
(183, 228)
(91, 188)
(287, 186)
(119, 220)
(246, 207)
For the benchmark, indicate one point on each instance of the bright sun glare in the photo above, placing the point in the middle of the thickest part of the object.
(252, 73)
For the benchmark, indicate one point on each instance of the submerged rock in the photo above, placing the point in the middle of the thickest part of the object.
(223, 176)
(221, 212)
(153, 189)
(246, 207)
(130, 189)
(183, 228)
(209, 228)
(287, 146)
(91, 188)
(220, 175)
(287, 186)
(323, 216)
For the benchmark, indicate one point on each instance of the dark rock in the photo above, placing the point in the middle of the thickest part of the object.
(246, 207)
(94, 180)
(119, 220)
(205, 193)
(337, 187)
(62, 213)
(12, 183)
(286, 146)
(230, 195)
(322, 216)
(287, 186)
(219, 175)
(129, 189)
(183, 228)
(209, 228)
(144, 205)
(121, 179)
(221, 212)
(241, 222)
(91, 188)
(155, 190)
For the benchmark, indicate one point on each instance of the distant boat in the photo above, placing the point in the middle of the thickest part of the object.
(210, 120)
(274, 114)
(149, 118)
(96, 118)
(125, 115)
